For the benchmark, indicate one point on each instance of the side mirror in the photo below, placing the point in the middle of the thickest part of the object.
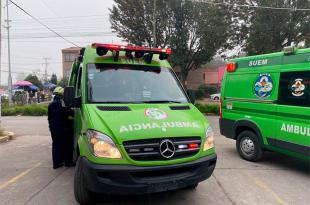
(70, 99)
(192, 95)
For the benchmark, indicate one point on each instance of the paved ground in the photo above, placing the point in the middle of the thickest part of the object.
(26, 176)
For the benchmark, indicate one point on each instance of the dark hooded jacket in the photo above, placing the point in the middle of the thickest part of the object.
(58, 116)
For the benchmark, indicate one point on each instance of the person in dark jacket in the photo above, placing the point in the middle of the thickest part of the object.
(58, 116)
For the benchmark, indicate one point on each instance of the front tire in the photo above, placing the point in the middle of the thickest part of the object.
(81, 193)
(248, 146)
(192, 187)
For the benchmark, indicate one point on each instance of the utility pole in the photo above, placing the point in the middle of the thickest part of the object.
(9, 52)
(154, 25)
(45, 72)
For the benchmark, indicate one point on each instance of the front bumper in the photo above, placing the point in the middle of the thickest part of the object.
(227, 128)
(132, 180)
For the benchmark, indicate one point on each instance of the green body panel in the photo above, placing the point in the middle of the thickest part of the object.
(122, 126)
(274, 121)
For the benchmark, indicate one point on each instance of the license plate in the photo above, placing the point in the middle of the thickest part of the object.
(165, 186)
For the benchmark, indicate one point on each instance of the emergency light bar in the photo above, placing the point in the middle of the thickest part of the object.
(289, 50)
(102, 49)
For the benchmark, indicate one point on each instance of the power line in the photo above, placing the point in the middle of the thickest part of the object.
(64, 17)
(56, 36)
(28, 64)
(252, 6)
(37, 20)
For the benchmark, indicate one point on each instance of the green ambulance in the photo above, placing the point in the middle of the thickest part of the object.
(136, 130)
(265, 104)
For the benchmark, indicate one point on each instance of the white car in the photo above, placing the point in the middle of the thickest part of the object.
(216, 96)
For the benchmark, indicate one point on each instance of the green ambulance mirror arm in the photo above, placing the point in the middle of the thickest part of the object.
(192, 96)
(70, 99)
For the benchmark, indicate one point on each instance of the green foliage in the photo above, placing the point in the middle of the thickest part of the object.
(269, 30)
(205, 91)
(20, 97)
(34, 80)
(4, 101)
(63, 82)
(54, 79)
(215, 109)
(26, 110)
(193, 29)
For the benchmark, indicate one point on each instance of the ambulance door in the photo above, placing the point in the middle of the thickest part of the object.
(293, 109)
(78, 111)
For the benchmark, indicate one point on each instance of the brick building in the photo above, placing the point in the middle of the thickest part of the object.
(68, 56)
(210, 74)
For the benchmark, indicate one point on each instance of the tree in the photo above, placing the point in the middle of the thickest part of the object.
(34, 80)
(269, 30)
(63, 82)
(195, 31)
(54, 79)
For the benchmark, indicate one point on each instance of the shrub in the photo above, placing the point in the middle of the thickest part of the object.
(26, 110)
(4, 101)
(205, 91)
(208, 108)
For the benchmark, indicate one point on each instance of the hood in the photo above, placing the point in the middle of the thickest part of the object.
(145, 121)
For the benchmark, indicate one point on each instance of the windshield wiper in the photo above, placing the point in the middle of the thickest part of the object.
(119, 102)
(139, 102)
(161, 101)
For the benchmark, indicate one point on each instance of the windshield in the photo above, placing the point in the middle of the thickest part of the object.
(132, 84)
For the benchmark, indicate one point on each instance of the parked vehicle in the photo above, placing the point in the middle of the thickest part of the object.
(216, 96)
(266, 104)
(136, 130)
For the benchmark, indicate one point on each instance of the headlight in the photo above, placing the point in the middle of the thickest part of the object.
(102, 145)
(209, 142)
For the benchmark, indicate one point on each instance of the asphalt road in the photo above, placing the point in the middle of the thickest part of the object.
(26, 175)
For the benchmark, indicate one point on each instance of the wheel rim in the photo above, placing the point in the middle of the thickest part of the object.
(247, 146)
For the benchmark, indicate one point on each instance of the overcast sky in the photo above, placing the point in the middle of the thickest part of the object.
(80, 21)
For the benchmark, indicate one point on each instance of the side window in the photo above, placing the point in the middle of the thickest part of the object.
(294, 88)
(79, 83)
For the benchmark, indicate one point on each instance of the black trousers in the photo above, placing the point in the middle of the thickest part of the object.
(62, 148)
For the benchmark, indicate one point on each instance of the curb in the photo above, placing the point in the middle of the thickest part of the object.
(7, 136)
(4, 139)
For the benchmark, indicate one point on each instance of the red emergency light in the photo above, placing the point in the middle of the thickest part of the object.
(102, 50)
(231, 67)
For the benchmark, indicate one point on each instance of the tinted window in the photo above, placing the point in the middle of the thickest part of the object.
(294, 88)
(132, 84)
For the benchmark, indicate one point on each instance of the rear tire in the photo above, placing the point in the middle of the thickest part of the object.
(81, 193)
(248, 146)
(216, 98)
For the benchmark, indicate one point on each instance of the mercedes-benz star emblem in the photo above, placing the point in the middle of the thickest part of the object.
(167, 149)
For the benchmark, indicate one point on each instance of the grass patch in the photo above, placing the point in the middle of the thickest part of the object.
(215, 109)
(25, 110)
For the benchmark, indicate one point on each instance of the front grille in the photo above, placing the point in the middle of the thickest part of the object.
(149, 149)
